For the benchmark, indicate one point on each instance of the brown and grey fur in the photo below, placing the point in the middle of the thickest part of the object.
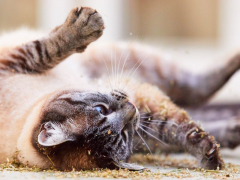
(35, 91)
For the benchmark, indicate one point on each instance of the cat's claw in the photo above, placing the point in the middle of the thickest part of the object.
(211, 158)
(212, 150)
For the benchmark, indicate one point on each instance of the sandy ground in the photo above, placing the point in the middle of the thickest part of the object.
(166, 171)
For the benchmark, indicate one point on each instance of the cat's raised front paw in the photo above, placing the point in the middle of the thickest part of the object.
(81, 27)
(85, 21)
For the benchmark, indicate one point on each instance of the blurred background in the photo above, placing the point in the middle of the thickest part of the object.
(196, 34)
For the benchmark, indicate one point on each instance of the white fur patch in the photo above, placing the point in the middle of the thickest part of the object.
(53, 134)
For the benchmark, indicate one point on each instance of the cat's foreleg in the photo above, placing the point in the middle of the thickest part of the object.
(176, 127)
(81, 27)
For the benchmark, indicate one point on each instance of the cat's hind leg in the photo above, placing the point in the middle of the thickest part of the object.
(81, 27)
(184, 87)
(175, 128)
(149, 65)
(226, 132)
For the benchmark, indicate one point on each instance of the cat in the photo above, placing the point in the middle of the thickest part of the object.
(65, 111)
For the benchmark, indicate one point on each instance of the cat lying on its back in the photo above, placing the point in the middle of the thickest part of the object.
(61, 117)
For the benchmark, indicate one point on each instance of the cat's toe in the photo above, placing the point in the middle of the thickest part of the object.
(72, 16)
(89, 22)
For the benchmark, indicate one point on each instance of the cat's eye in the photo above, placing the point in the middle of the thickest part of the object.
(101, 109)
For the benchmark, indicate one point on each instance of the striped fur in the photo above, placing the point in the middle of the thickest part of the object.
(41, 55)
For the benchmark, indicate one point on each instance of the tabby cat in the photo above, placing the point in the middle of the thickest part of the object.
(71, 114)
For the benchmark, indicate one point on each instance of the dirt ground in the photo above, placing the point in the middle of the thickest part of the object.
(174, 166)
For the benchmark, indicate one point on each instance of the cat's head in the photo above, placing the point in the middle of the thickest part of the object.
(84, 130)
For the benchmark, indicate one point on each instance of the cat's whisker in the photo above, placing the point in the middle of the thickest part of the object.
(137, 144)
(136, 68)
(124, 63)
(156, 123)
(142, 125)
(119, 61)
(151, 123)
(144, 142)
(145, 113)
(129, 51)
(145, 117)
(120, 69)
(112, 67)
(153, 136)
(115, 66)
(107, 72)
(130, 86)
(133, 88)
(152, 114)
(162, 121)
(128, 79)
(148, 115)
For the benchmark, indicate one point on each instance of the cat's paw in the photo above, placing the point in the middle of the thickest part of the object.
(81, 27)
(206, 150)
(85, 21)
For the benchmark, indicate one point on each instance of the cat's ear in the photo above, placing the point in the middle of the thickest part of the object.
(129, 166)
(52, 134)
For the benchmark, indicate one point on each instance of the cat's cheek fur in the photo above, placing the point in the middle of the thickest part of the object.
(27, 153)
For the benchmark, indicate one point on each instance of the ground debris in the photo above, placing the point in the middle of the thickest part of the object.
(184, 168)
(164, 161)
